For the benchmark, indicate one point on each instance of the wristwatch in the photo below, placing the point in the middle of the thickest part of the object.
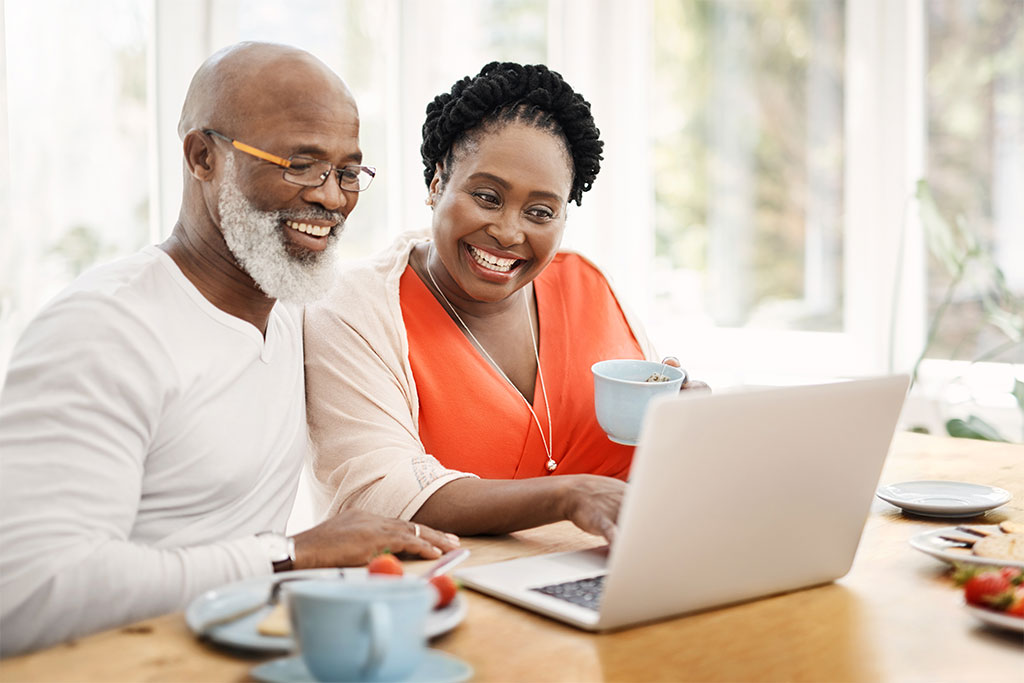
(280, 550)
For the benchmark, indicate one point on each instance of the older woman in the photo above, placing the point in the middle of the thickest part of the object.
(448, 380)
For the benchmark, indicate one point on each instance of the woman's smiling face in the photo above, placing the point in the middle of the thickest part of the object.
(500, 216)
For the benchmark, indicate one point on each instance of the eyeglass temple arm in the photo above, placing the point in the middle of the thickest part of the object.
(266, 156)
(249, 149)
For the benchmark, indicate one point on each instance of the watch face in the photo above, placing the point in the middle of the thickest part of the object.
(276, 546)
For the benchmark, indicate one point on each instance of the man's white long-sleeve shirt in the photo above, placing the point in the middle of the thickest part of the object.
(145, 437)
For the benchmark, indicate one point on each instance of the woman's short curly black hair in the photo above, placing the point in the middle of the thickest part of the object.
(504, 92)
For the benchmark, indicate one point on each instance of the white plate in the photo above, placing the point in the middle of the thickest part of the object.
(997, 619)
(243, 634)
(943, 498)
(930, 543)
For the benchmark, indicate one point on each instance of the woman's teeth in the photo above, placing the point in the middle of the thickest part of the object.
(314, 230)
(491, 262)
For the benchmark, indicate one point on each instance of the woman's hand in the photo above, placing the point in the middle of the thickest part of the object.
(689, 384)
(592, 503)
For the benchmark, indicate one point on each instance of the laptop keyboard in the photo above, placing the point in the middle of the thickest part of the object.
(584, 592)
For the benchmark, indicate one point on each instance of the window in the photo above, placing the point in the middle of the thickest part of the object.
(756, 201)
(747, 121)
(975, 169)
(79, 132)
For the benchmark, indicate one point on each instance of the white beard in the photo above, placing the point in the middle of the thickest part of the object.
(257, 241)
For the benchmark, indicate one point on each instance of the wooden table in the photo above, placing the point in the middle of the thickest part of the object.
(895, 616)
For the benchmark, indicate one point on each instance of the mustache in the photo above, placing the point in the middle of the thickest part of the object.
(312, 213)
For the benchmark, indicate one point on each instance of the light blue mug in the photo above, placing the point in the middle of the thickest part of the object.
(370, 629)
(621, 394)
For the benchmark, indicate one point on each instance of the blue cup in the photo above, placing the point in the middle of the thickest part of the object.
(371, 629)
(622, 392)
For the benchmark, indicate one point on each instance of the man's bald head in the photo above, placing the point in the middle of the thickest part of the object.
(253, 81)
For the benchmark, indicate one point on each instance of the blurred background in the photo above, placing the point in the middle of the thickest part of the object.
(792, 190)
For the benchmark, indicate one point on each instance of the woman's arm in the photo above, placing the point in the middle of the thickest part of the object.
(360, 404)
(498, 506)
(368, 452)
(361, 407)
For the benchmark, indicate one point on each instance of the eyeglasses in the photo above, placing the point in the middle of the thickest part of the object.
(307, 171)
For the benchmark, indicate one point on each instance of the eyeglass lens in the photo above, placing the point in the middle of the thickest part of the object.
(313, 173)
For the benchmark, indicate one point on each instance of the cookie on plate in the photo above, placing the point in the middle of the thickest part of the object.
(276, 623)
(1005, 547)
(1010, 527)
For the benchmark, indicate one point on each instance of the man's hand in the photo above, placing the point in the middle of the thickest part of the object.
(592, 503)
(352, 537)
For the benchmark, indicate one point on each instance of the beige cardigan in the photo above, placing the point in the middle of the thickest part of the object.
(361, 398)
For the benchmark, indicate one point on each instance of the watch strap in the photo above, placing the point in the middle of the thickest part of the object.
(280, 549)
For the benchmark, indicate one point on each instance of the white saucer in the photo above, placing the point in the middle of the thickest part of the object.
(943, 498)
(997, 619)
(436, 666)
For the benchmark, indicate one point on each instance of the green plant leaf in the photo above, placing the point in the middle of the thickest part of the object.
(973, 428)
(1006, 322)
(942, 239)
(963, 232)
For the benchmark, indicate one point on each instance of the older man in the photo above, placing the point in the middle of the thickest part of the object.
(152, 425)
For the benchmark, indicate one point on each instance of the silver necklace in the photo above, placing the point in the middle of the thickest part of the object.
(549, 441)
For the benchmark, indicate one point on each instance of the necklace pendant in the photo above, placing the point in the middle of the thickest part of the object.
(551, 465)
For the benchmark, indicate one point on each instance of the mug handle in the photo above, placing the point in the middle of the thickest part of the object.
(380, 635)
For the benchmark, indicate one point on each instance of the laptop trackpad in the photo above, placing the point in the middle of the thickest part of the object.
(518, 581)
(587, 562)
(539, 570)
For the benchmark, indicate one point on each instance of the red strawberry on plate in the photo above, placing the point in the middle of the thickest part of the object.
(1016, 608)
(1013, 575)
(446, 590)
(986, 588)
(385, 563)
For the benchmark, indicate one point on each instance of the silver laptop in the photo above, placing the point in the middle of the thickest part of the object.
(738, 495)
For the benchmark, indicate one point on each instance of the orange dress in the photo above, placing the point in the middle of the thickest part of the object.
(471, 419)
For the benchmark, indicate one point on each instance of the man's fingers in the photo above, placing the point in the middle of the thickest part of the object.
(352, 538)
(427, 550)
(419, 539)
(411, 545)
(439, 539)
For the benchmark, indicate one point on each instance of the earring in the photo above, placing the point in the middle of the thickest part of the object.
(429, 201)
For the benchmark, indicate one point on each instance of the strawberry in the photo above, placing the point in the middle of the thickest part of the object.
(446, 589)
(385, 563)
(1013, 575)
(987, 589)
(1016, 608)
